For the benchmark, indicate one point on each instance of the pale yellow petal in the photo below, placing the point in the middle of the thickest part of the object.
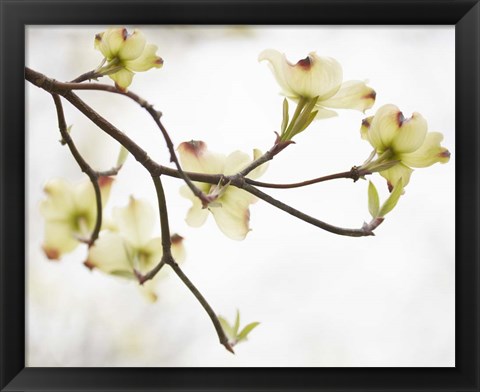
(60, 201)
(132, 46)
(277, 62)
(112, 255)
(148, 59)
(429, 153)
(178, 248)
(105, 184)
(410, 135)
(384, 127)
(195, 157)
(111, 42)
(122, 78)
(235, 162)
(58, 239)
(323, 113)
(135, 221)
(314, 76)
(97, 42)
(85, 202)
(233, 216)
(352, 95)
(152, 252)
(196, 215)
(396, 172)
(365, 128)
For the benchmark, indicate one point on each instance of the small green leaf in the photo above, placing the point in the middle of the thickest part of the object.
(392, 200)
(309, 120)
(285, 116)
(237, 323)
(122, 156)
(226, 328)
(246, 330)
(373, 200)
(305, 117)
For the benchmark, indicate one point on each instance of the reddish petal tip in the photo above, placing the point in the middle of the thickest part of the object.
(51, 253)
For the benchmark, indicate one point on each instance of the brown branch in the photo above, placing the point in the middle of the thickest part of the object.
(355, 173)
(155, 114)
(216, 323)
(364, 231)
(155, 169)
(87, 76)
(58, 88)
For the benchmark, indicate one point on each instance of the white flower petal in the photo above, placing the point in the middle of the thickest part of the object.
(122, 78)
(178, 248)
(111, 42)
(315, 76)
(112, 255)
(58, 239)
(235, 162)
(384, 127)
(352, 95)
(132, 46)
(233, 216)
(277, 63)
(195, 157)
(196, 215)
(323, 113)
(135, 221)
(60, 200)
(153, 252)
(365, 128)
(429, 153)
(396, 172)
(311, 77)
(148, 59)
(410, 135)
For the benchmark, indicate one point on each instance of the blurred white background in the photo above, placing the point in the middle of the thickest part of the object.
(322, 299)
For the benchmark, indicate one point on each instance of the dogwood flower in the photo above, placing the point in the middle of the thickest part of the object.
(231, 206)
(316, 76)
(125, 54)
(70, 213)
(404, 141)
(129, 246)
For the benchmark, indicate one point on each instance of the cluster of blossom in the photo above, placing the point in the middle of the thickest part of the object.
(314, 84)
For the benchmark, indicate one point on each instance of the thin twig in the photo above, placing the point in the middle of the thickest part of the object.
(216, 323)
(363, 232)
(87, 76)
(162, 208)
(355, 173)
(84, 166)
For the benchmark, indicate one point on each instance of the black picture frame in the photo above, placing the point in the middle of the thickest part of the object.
(15, 15)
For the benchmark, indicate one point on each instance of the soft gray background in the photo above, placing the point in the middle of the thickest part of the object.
(323, 300)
